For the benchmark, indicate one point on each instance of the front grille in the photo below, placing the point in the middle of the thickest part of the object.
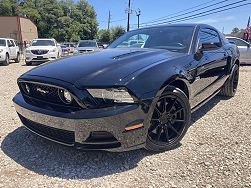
(44, 93)
(39, 52)
(83, 51)
(63, 136)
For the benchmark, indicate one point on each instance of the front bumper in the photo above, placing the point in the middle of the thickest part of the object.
(30, 57)
(76, 128)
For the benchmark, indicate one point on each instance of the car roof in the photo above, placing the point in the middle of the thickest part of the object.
(179, 25)
(44, 39)
(6, 39)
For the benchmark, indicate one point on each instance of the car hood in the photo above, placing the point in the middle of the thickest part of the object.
(41, 48)
(2, 47)
(102, 68)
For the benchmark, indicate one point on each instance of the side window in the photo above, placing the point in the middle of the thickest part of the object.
(9, 43)
(240, 43)
(12, 42)
(210, 36)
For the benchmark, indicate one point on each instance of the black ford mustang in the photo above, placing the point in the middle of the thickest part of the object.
(137, 93)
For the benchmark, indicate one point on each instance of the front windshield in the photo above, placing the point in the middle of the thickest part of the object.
(87, 44)
(172, 38)
(43, 43)
(2, 42)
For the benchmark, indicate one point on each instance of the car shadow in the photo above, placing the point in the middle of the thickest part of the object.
(54, 160)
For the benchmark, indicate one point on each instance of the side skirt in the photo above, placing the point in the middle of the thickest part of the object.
(205, 101)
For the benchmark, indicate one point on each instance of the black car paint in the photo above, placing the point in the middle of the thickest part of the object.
(144, 72)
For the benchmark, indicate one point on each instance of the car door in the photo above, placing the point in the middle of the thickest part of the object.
(11, 49)
(245, 51)
(210, 72)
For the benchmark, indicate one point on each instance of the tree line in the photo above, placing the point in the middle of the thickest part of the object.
(64, 20)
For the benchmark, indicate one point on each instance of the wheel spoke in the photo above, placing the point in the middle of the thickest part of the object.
(177, 111)
(171, 105)
(153, 127)
(159, 131)
(167, 134)
(158, 112)
(179, 120)
(171, 127)
(154, 119)
(164, 108)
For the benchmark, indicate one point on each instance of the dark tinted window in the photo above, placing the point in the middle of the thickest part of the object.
(209, 36)
(43, 43)
(87, 44)
(173, 38)
(2, 42)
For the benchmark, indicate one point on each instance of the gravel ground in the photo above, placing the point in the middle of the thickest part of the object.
(216, 151)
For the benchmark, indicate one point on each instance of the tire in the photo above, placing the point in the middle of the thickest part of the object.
(168, 123)
(17, 60)
(7, 60)
(28, 63)
(230, 86)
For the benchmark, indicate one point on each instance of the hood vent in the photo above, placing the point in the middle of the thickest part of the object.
(128, 54)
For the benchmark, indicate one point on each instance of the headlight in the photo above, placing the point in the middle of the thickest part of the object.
(27, 51)
(116, 95)
(65, 96)
(1, 50)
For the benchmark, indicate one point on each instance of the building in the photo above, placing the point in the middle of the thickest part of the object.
(22, 29)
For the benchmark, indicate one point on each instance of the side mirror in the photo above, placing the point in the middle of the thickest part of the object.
(209, 46)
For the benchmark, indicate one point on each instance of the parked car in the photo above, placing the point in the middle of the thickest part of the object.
(121, 99)
(65, 51)
(84, 46)
(8, 51)
(42, 50)
(70, 46)
(244, 47)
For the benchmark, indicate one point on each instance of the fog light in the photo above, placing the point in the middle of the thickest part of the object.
(65, 96)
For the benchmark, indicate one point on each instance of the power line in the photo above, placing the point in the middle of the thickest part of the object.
(201, 13)
(185, 10)
(119, 20)
(216, 12)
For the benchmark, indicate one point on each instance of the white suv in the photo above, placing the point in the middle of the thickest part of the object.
(8, 50)
(42, 50)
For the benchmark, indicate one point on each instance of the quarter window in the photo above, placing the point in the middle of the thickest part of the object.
(238, 42)
(209, 36)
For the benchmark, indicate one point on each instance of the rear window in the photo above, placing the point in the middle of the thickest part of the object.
(87, 44)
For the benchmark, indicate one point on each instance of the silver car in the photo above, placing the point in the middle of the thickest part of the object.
(84, 46)
(244, 47)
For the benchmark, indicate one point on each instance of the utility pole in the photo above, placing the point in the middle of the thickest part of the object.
(138, 12)
(129, 12)
(109, 20)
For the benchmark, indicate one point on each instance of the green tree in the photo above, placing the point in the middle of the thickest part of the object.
(104, 36)
(9, 8)
(64, 20)
(235, 30)
(116, 32)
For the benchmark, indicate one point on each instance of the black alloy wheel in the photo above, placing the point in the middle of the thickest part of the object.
(230, 86)
(235, 80)
(169, 122)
